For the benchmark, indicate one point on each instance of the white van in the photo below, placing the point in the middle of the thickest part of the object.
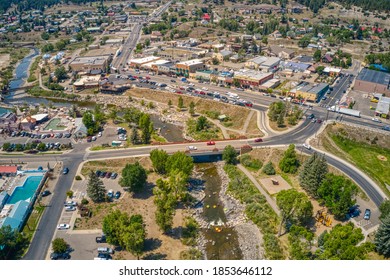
(105, 250)
(233, 95)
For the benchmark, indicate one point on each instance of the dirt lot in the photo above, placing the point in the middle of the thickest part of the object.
(158, 245)
(237, 114)
(274, 188)
(4, 60)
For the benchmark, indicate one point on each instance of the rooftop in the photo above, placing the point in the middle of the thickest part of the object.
(144, 60)
(374, 77)
(8, 169)
(191, 62)
(90, 60)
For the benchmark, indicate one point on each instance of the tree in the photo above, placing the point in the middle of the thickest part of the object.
(215, 61)
(95, 188)
(13, 243)
(6, 146)
(384, 208)
(317, 55)
(45, 36)
(166, 203)
(300, 240)
(59, 245)
(181, 162)
(229, 155)
(338, 194)
(178, 183)
(133, 235)
(127, 232)
(294, 207)
(313, 172)
(133, 177)
(180, 103)
(134, 138)
(89, 121)
(60, 45)
(269, 169)
(280, 120)
(289, 163)
(382, 237)
(275, 110)
(60, 73)
(159, 160)
(41, 147)
(147, 42)
(192, 108)
(320, 69)
(341, 244)
(201, 123)
(169, 103)
(146, 126)
(69, 194)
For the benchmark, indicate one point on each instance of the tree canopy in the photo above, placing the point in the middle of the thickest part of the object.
(229, 155)
(127, 232)
(159, 160)
(313, 172)
(382, 238)
(295, 207)
(181, 162)
(384, 208)
(95, 188)
(133, 177)
(146, 126)
(13, 243)
(59, 245)
(166, 202)
(289, 163)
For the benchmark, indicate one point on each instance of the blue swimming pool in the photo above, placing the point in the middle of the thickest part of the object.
(26, 191)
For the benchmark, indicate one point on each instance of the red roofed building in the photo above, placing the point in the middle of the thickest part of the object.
(8, 170)
(206, 17)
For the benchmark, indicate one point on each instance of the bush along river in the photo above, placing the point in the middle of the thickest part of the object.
(225, 232)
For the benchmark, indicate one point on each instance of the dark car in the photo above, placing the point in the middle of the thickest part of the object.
(108, 175)
(46, 193)
(117, 194)
(104, 256)
(65, 171)
(59, 256)
(311, 116)
(367, 214)
(89, 139)
(258, 140)
(103, 174)
(98, 172)
(101, 239)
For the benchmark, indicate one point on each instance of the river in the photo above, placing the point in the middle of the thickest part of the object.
(21, 71)
(221, 241)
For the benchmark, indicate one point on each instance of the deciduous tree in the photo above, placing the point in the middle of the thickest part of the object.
(229, 155)
(133, 177)
(289, 163)
(59, 245)
(159, 160)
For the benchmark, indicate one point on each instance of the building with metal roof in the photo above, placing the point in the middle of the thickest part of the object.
(17, 215)
(373, 81)
(383, 107)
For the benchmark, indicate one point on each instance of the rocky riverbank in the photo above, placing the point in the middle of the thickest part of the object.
(249, 236)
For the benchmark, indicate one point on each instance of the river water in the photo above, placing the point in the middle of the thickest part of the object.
(222, 242)
(21, 70)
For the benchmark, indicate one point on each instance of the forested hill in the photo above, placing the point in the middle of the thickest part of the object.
(370, 5)
(25, 5)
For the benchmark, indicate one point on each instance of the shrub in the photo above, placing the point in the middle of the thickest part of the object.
(250, 163)
(78, 178)
(269, 169)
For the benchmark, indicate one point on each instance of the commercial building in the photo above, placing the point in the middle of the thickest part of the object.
(138, 62)
(373, 82)
(184, 68)
(9, 121)
(308, 92)
(282, 52)
(251, 78)
(8, 170)
(383, 107)
(90, 64)
(270, 65)
(86, 82)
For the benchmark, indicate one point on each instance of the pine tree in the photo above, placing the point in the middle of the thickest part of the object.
(134, 136)
(192, 108)
(313, 172)
(280, 120)
(95, 189)
(382, 237)
(180, 103)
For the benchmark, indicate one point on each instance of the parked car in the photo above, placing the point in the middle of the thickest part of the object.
(65, 171)
(63, 226)
(108, 175)
(46, 193)
(257, 140)
(103, 174)
(89, 139)
(101, 239)
(367, 214)
(386, 127)
(311, 116)
(98, 172)
(59, 256)
(93, 138)
(114, 175)
(70, 208)
(105, 250)
(117, 194)
(376, 120)
(110, 194)
(210, 143)
(191, 148)
(70, 203)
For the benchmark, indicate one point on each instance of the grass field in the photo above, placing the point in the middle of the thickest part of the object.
(372, 159)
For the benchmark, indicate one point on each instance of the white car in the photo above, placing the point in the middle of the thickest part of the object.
(69, 208)
(100, 134)
(307, 146)
(376, 120)
(191, 148)
(63, 226)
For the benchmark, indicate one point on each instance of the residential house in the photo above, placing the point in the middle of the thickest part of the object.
(223, 55)
(281, 52)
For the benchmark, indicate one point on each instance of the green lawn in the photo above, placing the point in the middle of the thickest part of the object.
(32, 221)
(366, 157)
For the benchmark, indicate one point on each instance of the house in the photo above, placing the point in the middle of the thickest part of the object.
(295, 66)
(223, 55)
(80, 129)
(255, 63)
(281, 52)
(328, 58)
(276, 34)
(156, 36)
